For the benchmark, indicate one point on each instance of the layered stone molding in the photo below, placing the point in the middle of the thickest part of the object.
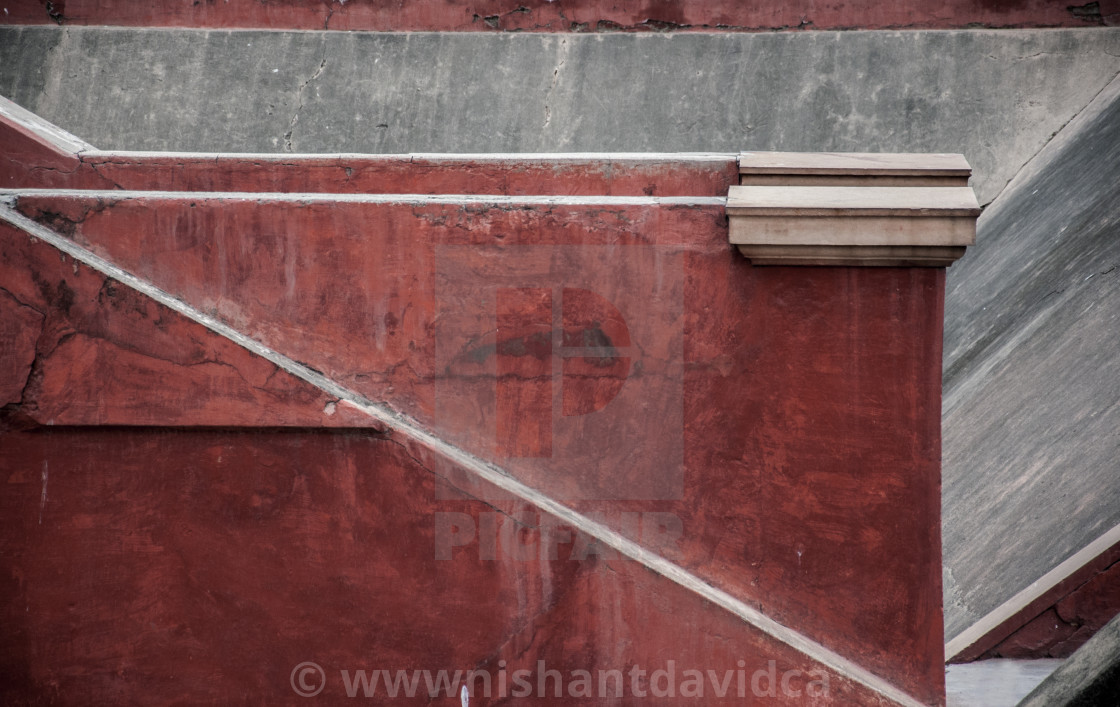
(852, 209)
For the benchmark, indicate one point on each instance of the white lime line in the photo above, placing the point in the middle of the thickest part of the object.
(409, 199)
(537, 157)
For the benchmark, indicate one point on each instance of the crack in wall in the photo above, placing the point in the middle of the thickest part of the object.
(129, 300)
(44, 168)
(54, 11)
(35, 365)
(299, 106)
(562, 58)
(94, 166)
(1030, 161)
(61, 222)
(1089, 13)
(495, 21)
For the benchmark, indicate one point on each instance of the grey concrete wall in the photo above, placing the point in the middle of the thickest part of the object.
(1031, 418)
(996, 96)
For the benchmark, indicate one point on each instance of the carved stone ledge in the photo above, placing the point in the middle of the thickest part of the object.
(830, 169)
(855, 224)
(893, 256)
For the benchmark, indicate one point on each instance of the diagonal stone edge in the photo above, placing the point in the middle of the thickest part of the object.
(46, 132)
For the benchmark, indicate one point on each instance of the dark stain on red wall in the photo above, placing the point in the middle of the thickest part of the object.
(566, 15)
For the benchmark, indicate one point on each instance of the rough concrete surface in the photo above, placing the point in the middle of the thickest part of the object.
(995, 96)
(1031, 413)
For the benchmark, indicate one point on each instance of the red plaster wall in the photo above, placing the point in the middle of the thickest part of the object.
(196, 566)
(810, 397)
(82, 349)
(367, 174)
(796, 411)
(569, 15)
(28, 160)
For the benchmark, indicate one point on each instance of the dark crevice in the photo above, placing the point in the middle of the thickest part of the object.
(43, 168)
(55, 10)
(61, 223)
(21, 302)
(94, 167)
(34, 370)
(1090, 12)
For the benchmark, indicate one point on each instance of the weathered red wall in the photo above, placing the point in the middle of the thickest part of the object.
(28, 160)
(201, 566)
(796, 409)
(569, 15)
(82, 349)
(825, 456)
(35, 167)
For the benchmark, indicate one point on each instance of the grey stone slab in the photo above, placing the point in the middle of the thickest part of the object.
(994, 683)
(995, 96)
(1031, 417)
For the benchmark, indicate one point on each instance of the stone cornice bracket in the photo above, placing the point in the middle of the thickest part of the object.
(852, 209)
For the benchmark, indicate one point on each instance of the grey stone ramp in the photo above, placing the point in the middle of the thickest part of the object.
(995, 96)
(1031, 417)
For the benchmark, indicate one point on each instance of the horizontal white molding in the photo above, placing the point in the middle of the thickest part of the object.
(547, 157)
(410, 199)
